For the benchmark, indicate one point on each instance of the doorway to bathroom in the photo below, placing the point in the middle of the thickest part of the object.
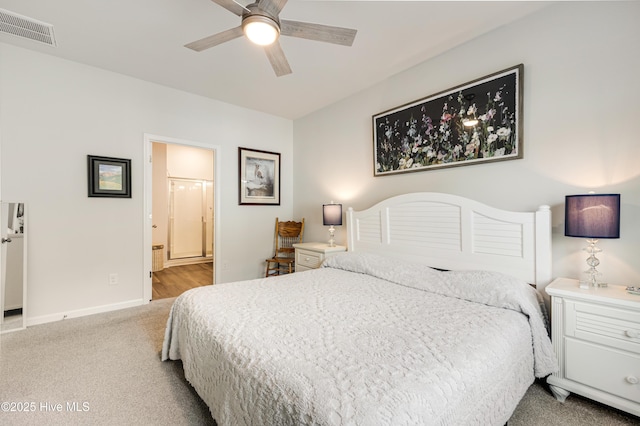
(181, 198)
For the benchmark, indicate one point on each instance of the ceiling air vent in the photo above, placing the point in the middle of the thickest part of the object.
(22, 26)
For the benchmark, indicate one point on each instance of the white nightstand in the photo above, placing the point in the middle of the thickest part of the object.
(311, 255)
(596, 336)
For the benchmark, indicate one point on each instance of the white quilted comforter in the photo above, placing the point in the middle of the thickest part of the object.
(364, 340)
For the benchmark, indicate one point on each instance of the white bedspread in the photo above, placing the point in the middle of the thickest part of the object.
(361, 341)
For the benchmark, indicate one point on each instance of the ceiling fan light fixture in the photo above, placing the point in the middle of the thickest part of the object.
(260, 29)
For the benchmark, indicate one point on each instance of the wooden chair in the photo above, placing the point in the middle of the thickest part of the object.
(287, 234)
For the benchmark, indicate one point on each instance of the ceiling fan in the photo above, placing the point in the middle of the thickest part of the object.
(262, 25)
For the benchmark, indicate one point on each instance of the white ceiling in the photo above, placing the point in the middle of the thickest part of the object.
(145, 39)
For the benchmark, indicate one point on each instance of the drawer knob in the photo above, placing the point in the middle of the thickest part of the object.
(307, 259)
(632, 380)
(631, 333)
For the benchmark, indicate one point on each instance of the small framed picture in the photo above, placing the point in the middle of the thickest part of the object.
(109, 177)
(259, 177)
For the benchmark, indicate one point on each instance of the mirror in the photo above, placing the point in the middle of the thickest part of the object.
(13, 266)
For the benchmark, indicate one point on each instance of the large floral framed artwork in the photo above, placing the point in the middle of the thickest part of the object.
(259, 177)
(477, 122)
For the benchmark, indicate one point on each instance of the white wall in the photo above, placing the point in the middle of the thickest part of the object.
(581, 108)
(53, 113)
(189, 162)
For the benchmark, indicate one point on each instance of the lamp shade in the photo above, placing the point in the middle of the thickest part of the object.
(332, 214)
(592, 216)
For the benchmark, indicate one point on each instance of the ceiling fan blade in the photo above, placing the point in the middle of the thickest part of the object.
(272, 7)
(318, 32)
(214, 40)
(231, 6)
(278, 61)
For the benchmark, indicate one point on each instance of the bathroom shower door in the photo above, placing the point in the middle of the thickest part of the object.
(190, 218)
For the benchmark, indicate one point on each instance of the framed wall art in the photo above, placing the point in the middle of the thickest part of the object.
(477, 122)
(109, 177)
(259, 177)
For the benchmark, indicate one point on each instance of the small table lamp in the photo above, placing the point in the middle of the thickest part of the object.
(592, 216)
(332, 215)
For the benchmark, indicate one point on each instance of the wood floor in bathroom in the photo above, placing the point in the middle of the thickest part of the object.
(173, 281)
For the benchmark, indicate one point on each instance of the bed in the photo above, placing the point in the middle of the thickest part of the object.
(430, 317)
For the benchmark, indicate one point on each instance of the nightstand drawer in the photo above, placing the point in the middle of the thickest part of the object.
(311, 255)
(612, 326)
(610, 370)
(309, 259)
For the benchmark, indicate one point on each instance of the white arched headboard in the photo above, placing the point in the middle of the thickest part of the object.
(452, 232)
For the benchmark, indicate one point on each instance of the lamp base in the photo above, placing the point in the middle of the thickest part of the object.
(592, 261)
(332, 241)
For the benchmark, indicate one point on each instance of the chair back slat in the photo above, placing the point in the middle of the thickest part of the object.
(286, 235)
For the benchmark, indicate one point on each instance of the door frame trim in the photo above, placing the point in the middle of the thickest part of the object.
(149, 139)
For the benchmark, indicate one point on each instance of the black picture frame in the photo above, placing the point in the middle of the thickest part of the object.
(109, 177)
(435, 132)
(258, 177)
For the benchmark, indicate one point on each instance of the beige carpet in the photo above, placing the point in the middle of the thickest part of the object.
(105, 369)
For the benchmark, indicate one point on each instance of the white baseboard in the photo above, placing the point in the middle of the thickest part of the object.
(43, 319)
